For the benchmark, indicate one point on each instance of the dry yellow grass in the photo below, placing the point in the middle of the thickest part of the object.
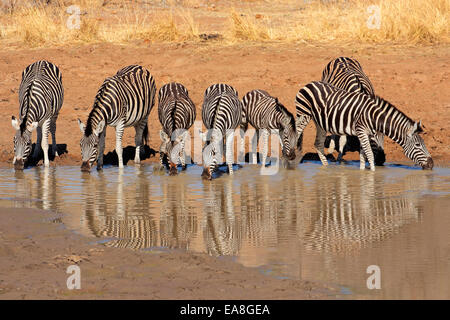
(401, 21)
(48, 25)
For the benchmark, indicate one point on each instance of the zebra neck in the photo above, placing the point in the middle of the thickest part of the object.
(392, 122)
(95, 117)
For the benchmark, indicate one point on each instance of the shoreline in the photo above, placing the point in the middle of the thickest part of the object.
(36, 250)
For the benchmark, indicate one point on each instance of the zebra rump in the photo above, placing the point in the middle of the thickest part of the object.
(176, 113)
(221, 115)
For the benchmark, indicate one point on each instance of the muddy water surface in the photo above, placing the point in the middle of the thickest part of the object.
(312, 223)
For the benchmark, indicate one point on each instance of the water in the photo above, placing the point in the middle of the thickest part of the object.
(312, 223)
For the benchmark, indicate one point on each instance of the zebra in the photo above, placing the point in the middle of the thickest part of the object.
(265, 113)
(41, 96)
(352, 113)
(221, 115)
(123, 100)
(347, 74)
(176, 113)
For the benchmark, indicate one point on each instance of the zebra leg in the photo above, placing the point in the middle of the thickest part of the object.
(183, 156)
(265, 141)
(243, 129)
(119, 134)
(45, 131)
(138, 140)
(229, 153)
(53, 132)
(37, 147)
(366, 150)
(342, 143)
(101, 149)
(255, 141)
(319, 144)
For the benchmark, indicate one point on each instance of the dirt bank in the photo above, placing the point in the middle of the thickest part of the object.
(35, 251)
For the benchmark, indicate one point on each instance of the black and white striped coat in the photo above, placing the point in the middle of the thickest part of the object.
(347, 74)
(340, 112)
(41, 96)
(266, 113)
(221, 115)
(176, 113)
(123, 100)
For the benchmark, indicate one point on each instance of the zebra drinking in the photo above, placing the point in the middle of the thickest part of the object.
(41, 96)
(265, 113)
(123, 100)
(221, 115)
(347, 74)
(352, 113)
(176, 113)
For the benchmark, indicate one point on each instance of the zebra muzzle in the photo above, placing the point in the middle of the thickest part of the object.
(173, 169)
(428, 164)
(85, 166)
(19, 164)
(206, 174)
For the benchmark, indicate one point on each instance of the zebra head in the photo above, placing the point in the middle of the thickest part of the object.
(173, 148)
(414, 147)
(301, 122)
(22, 142)
(212, 152)
(289, 138)
(89, 144)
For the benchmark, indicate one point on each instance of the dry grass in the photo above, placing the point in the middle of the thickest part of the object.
(402, 21)
(45, 25)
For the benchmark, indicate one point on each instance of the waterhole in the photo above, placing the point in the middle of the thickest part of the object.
(312, 223)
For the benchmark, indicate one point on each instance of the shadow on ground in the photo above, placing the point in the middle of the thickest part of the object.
(32, 162)
(128, 154)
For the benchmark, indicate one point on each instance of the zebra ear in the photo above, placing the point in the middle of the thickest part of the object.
(15, 123)
(100, 127)
(414, 129)
(420, 126)
(81, 125)
(32, 126)
(182, 136)
(164, 137)
(202, 135)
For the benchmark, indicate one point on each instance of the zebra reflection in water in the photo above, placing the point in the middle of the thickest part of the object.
(112, 215)
(178, 221)
(355, 211)
(222, 231)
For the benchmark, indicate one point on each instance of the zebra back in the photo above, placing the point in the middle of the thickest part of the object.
(221, 108)
(347, 74)
(263, 111)
(41, 93)
(127, 96)
(175, 109)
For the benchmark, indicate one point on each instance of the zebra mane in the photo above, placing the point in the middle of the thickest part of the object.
(379, 101)
(285, 112)
(88, 131)
(23, 124)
